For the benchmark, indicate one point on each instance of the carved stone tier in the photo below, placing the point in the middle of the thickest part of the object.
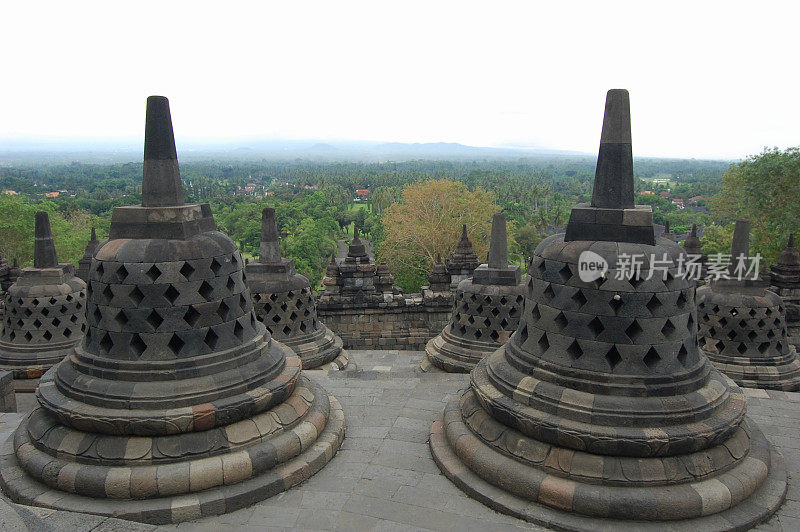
(179, 404)
(784, 279)
(86, 261)
(463, 261)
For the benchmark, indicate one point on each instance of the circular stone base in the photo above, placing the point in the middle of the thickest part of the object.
(341, 362)
(455, 354)
(23, 489)
(427, 366)
(756, 509)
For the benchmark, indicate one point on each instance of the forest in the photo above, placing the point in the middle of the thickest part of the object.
(317, 203)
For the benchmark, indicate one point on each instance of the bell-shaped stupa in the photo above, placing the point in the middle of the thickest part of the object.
(44, 311)
(486, 310)
(86, 261)
(743, 326)
(178, 404)
(285, 303)
(785, 281)
(600, 412)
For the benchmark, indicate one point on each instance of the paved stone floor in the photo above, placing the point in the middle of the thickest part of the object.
(383, 478)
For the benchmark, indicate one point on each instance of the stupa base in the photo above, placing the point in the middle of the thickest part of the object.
(555, 501)
(320, 350)
(308, 455)
(784, 377)
(453, 354)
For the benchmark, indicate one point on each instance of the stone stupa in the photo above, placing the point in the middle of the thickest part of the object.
(668, 234)
(178, 404)
(285, 303)
(601, 413)
(743, 327)
(462, 262)
(85, 262)
(784, 279)
(44, 312)
(486, 310)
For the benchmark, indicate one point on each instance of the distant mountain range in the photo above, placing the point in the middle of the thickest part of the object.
(123, 150)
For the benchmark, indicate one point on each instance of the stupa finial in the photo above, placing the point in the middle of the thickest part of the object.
(270, 250)
(161, 180)
(498, 244)
(44, 251)
(613, 180)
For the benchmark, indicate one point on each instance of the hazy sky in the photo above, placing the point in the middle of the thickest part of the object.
(707, 79)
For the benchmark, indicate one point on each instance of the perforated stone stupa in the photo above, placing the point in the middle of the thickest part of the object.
(285, 303)
(600, 412)
(86, 261)
(486, 310)
(743, 328)
(462, 262)
(44, 311)
(785, 281)
(178, 404)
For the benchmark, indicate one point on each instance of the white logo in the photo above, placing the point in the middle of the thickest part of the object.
(591, 266)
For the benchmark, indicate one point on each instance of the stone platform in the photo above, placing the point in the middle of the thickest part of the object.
(383, 477)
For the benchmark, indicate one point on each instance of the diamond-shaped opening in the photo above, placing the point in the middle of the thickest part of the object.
(504, 324)
(495, 311)
(12, 335)
(53, 301)
(652, 358)
(544, 343)
(303, 326)
(681, 301)
(138, 345)
(153, 273)
(136, 295)
(122, 273)
(230, 283)
(634, 330)
(222, 310)
(613, 357)
(470, 319)
(768, 312)
(635, 281)
(723, 321)
(683, 353)
(575, 350)
(191, 316)
(523, 333)
(155, 320)
(712, 331)
(494, 335)
(477, 334)
(45, 311)
(503, 300)
(287, 330)
(186, 270)
(210, 339)
(752, 335)
(100, 269)
(779, 347)
(565, 273)
(121, 318)
(519, 300)
(761, 324)
(752, 313)
(743, 323)
(479, 310)
(690, 322)
(37, 323)
(487, 323)
(549, 293)
(47, 335)
(215, 266)
(256, 297)
(561, 320)
(616, 304)
(106, 343)
(731, 334)
(462, 330)
(234, 260)
(67, 332)
(535, 312)
(206, 290)
(293, 316)
(542, 267)
(770, 334)
(62, 309)
(73, 318)
(35, 302)
(276, 318)
(654, 304)
(28, 336)
(715, 309)
(273, 297)
(596, 326)
(763, 347)
(171, 294)
(238, 330)
(28, 312)
(734, 312)
(668, 329)
(108, 294)
(20, 323)
(742, 348)
(579, 298)
(175, 344)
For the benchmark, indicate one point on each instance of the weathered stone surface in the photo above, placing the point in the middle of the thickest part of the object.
(8, 401)
(463, 261)
(86, 261)
(44, 309)
(179, 403)
(601, 407)
(285, 304)
(784, 277)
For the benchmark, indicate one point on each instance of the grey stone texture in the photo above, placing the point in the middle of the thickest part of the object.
(178, 404)
(486, 310)
(601, 411)
(43, 316)
(8, 400)
(285, 304)
(86, 261)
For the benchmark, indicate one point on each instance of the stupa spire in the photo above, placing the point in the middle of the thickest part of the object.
(613, 180)
(270, 250)
(161, 179)
(498, 244)
(44, 251)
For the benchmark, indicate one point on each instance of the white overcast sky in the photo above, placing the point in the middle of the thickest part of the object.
(707, 79)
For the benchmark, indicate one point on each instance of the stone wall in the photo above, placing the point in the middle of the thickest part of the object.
(8, 401)
(405, 323)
